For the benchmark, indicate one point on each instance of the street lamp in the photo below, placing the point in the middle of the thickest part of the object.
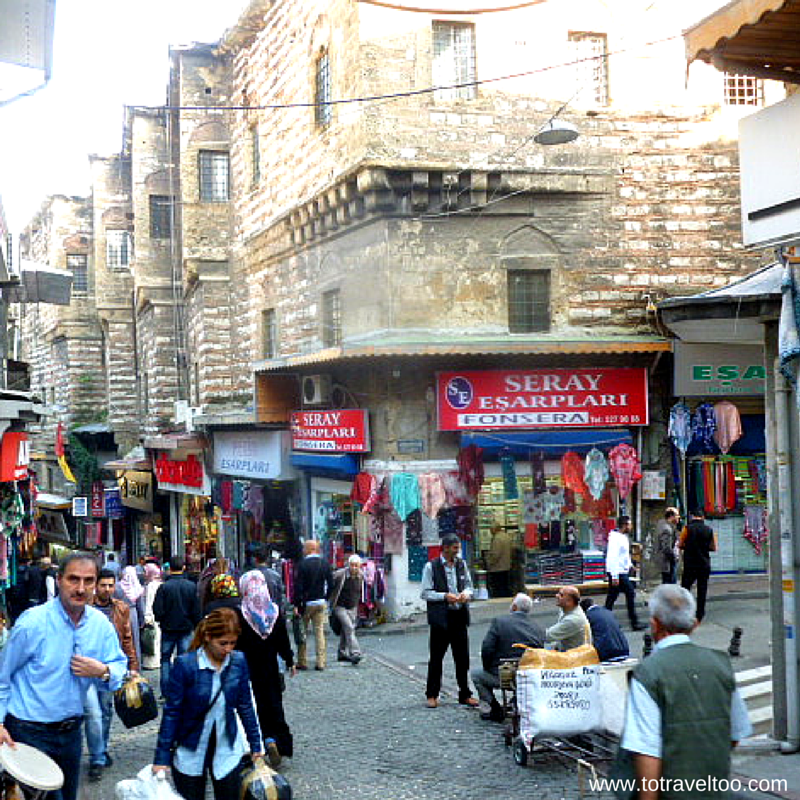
(556, 131)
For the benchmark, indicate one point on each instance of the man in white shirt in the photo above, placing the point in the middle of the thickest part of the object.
(618, 569)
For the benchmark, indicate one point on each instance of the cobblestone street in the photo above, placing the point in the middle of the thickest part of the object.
(364, 732)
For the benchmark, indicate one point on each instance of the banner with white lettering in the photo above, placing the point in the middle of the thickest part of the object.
(546, 398)
(340, 431)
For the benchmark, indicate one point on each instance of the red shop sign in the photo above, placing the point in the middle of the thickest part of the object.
(98, 500)
(542, 398)
(341, 431)
(14, 457)
(180, 473)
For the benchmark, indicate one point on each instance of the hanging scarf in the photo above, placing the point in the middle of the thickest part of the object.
(680, 427)
(223, 586)
(130, 585)
(257, 606)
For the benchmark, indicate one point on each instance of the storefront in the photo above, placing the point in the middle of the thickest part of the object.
(717, 435)
(254, 485)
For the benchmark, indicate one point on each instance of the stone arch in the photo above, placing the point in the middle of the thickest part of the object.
(211, 131)
(526, 241)
(158, 182)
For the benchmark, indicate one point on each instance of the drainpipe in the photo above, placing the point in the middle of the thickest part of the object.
(787, 511)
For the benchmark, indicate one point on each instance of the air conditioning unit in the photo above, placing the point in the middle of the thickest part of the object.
(317, 390)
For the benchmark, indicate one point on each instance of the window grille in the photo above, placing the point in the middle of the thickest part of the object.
(214, 176)
(454, 60)
(160, 217)
(270, 333)
(743, 90)
(331, 319)
(590, 51)
(528, 301)
(118, 249)
(323, 110)
(78, 266)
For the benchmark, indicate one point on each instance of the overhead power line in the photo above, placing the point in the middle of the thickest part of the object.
(465, 12)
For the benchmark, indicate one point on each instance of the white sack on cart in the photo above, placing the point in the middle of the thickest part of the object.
(146, 786)
(559, 702)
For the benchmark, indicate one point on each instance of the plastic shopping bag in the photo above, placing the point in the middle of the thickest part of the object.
(146, 786)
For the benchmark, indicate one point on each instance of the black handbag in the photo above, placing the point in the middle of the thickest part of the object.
(259, 782)
(135, 703)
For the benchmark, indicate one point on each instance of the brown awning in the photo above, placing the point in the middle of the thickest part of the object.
(752, 37)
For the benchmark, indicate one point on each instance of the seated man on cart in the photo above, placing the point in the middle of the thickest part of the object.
(572, 628)
(516, 627)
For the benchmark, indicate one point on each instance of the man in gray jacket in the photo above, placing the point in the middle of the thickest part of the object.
(516, 627)
(572, 628)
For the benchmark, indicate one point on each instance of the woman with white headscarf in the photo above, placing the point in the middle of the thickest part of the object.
(264, 637)
(131, 591)
(153, 580)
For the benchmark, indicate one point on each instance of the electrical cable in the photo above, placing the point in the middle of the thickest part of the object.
(454, 12)
(410, 92)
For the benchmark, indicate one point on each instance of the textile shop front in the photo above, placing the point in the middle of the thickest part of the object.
(549, 456)
(255, 488)
(717, 436)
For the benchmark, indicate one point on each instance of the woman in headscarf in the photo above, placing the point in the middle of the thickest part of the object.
(216, 566)
(131, 591)
(264, 637)
(153, 580)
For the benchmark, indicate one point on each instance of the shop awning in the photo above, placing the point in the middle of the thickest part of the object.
(755, 37)
(551, 443)
(55, 501)
(340, 464)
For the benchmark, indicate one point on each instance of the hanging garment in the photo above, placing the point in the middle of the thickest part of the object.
(709, 486)
(470, 469)
(756, 529)
(430, 530)
(226, 491)
(532, 536)
(379, 500)
(570, 539)
(555, 535)
(623, 462)
(255, 502)
(392, 534)
(405, 494)
(414, 529)
(455, 491)
(572, 469)
(363, 488)
(680, 427)
(509, 476)
(729, 425)
(596, 473)
(544, 535)
(703, 427)
(537, 471)
(552, 504)
(569, 501)
(432, 492)
(731, 499)
(238, 500)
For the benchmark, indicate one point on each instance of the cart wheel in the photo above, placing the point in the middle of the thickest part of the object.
(520, 753)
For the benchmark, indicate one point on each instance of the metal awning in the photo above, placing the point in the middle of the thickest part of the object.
(176, 441)
(125, 464)
(752, 37)
(55, 501)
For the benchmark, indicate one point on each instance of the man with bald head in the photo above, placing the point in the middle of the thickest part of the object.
(572, 627)
(313, 588)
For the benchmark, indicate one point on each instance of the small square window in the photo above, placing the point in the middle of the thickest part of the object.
(78, 266)
(454, 60)
(528, 301)
(161, 209)
(118, 249)
(331, 319)
(214, 176)
(323, 110)
(743, 90)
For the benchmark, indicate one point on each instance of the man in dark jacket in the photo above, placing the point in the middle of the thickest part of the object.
(312, 589)
(516, 627)
(697, 542)
(607, 636)
(447, 589)
(177, 610)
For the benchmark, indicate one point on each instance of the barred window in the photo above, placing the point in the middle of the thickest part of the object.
(528, 301)
(160, 216)
(214, 176)
(78, 266)
(743, 90)
(118, 249)
(331, 319)
(255, 154)
(323, 110)
(270, 333)
(454, 60)
(590, 51)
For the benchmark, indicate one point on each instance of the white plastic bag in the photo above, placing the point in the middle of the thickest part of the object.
(559, 702)
(147, 786)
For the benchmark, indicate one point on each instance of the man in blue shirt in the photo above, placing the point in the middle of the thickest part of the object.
(55, 651)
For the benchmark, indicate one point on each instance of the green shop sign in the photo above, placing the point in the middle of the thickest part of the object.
(717, 369)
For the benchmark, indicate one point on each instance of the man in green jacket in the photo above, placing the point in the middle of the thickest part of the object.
(684, 714)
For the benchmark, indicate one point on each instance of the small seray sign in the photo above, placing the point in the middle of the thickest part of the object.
(340, 431)
(545, 398)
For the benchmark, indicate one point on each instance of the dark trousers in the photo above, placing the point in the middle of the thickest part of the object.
(499, 585)
(193, 787)
(699, 574)
(64, 747)
(624, 585)
(455, 636)
(171, 641)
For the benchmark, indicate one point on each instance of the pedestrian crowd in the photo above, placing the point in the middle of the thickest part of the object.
(223, 647)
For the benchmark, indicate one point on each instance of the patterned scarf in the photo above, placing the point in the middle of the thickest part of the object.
(129, 583)
(257, 606)
(223, 586)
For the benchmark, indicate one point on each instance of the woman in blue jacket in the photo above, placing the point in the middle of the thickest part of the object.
(207, 687)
